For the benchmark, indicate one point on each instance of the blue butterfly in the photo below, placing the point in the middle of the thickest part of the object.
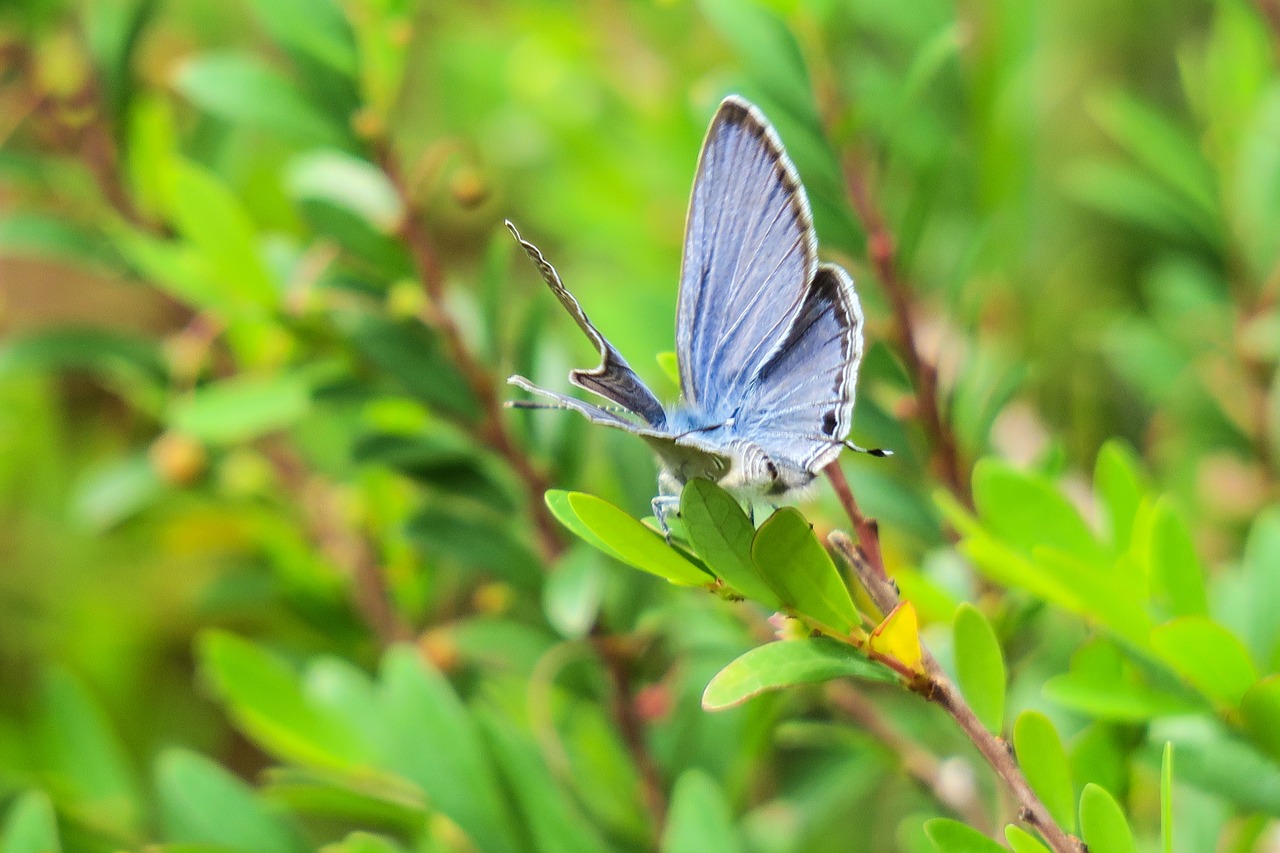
(768, 341)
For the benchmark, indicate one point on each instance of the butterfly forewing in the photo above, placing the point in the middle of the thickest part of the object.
(749, 254)
(613, 379)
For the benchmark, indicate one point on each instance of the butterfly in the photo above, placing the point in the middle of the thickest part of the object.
(768, 340)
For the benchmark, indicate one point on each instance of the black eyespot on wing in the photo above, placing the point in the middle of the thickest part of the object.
(829, 423)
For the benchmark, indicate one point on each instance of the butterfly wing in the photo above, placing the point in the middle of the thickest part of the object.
(613, 379)
(749, 253)
(800, 406)
(684, 458)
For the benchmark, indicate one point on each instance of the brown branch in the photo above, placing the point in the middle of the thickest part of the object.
(881, 251)
(921, 764)
(618, 669)
(89, 136)
(348, 548)
(866, 560)
(493, 424)
(1270, 11)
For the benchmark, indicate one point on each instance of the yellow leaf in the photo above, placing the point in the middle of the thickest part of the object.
(898, 637)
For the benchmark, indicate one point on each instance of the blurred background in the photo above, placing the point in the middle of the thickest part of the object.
(257, 306)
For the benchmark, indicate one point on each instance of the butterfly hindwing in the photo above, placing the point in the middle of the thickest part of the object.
(749, 253)
(800, 406)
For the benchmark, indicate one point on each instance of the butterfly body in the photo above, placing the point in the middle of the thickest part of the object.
(768, 340)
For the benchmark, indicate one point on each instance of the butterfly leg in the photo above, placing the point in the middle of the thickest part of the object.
(667, 502)
(664, 505)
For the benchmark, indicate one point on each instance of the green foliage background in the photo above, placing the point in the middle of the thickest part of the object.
(273, 576)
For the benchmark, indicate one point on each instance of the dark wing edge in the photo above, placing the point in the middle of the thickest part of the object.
(799, 400)
(613, 379)
(735, 111)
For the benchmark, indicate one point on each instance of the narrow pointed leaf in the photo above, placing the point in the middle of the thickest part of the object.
(1166, 798)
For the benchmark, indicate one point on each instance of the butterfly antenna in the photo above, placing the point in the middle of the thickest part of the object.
(879, 452)
(533, 404)
(536, 404)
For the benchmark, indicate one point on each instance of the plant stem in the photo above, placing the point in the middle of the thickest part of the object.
(882, 254)
(1270, 10)
(935, 686)
(617, 666)
(493, 429)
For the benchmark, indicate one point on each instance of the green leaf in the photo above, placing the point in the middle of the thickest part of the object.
(1100, 684)
(980, 668)
(201, 803)
(951, 836)
(1176, 575)
(1208, 656)
(721, 534)
(1102, 822)
(151, 151)
(785, 663)
(1119, 483)
(796, 566)
(442, 461)
(573, 593)
(670, 367)
(632, 542)
(348, 182)
(409, 352)
(124, 361)
(1260, 712)
(30, 826)
(1044, 763)
(1261, 574)
(315, 28)
(364, 799)
(1129, 195)
(112, 30)
(557, 501)
(264, 698)
(213, 220)
(364, 842)
(1029, 513)
(549, 815)
(478, 542)
(232, 411)
(1167, 150)
(700, 818)
(436, 744)
(76, 747)
(1166, 798)
(27, 234)
(1022, 841)
(240, 89)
